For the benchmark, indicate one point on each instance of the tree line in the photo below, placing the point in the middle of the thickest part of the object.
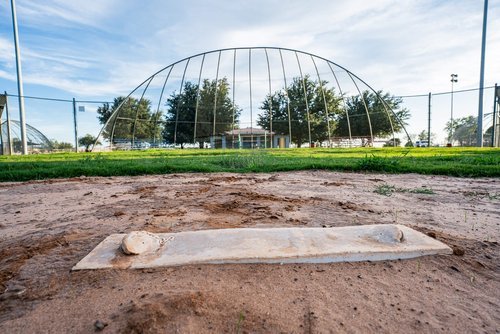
(307, 109)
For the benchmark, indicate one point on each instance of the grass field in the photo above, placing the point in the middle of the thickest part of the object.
(471, 162)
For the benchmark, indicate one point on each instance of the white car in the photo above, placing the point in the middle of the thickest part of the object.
(422, 143)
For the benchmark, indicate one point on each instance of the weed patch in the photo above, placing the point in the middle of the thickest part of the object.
(388, 190)
(380, 164)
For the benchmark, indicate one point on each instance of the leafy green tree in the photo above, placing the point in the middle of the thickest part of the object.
(380, 119)
(134, 121)
(464, 130)
(393, 143)
(56, 145)
(87, 141)
(318, 120)
(182, 119)
(423, 136)
(487, 136)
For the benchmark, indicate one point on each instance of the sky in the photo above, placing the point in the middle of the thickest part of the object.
(97, 50)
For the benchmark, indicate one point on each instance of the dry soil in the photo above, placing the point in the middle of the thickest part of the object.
(46, 227)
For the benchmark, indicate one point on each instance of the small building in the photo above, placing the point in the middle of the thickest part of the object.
(250, 138)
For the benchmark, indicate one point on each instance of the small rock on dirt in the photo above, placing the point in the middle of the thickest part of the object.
(458, 251)
(99, 325)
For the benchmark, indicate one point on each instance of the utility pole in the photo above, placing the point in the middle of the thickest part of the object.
(22, 117)
(481, 80)
(9, 137)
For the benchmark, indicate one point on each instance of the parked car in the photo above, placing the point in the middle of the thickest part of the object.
(422, 143)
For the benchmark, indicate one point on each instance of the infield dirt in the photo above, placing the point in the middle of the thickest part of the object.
(46, 227)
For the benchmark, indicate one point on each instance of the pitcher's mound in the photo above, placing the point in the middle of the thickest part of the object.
(262, 245)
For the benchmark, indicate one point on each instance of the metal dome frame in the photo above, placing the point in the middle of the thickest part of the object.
(34, 136)
(353, 77)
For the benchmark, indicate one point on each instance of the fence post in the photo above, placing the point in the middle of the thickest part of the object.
(2, 104)
(429, 123)
(494, 132)
(9, 137)
(76, 125)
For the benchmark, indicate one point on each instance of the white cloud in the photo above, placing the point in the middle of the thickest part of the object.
(7, 53)
(64, 13)
(100, 49)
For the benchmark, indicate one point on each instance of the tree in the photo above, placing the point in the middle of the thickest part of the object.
(134, 121)
(190, 114)
(382, 119)
(288, 109)
(393, 143)
(423, 136)
(487, 137)
(87, 141)
(56, 145)
(464, 130)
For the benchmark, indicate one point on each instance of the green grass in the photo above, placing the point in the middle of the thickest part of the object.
(470, 162)
(387, 190)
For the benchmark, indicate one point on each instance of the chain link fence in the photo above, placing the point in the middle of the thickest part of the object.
(452, 117)
(55, 124)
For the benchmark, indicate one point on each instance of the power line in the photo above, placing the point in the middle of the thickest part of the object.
(445, 93)
(57, 100)
(102, 102)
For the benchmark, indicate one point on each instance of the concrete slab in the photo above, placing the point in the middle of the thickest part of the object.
(269, 245)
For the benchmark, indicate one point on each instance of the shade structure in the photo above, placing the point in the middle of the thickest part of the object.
(11, 131)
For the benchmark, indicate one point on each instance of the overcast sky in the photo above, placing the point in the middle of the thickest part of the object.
(102, 49)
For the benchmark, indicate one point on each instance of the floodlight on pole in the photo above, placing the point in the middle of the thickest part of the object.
(22, 117)
(454, 78)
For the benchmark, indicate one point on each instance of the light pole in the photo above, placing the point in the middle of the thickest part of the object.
(454, 78)
(22, 118)
(481, 79)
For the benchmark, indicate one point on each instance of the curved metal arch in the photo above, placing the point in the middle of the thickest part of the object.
(235, 49)
(215, 93)
(305, 99)
(287, 99)
(137, 111)
(270, 101)
(159, 103)
(324, 101)
(34, 135)
(343, 103)
(179, 105)
(197, 98)
(233, 99)
(387, 109)
(365, 105)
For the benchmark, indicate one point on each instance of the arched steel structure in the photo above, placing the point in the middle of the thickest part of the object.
(11, 138)
(278, 66)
